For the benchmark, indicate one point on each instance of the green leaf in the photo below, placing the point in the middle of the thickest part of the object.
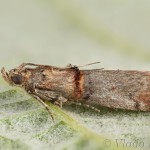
(26, 125)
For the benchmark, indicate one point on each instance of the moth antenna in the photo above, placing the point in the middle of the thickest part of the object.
(89, 64)
(75, 66)
(23, 65)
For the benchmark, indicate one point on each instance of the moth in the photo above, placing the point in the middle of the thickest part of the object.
(121, 89)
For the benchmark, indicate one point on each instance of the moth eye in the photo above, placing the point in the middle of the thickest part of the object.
(17, 79)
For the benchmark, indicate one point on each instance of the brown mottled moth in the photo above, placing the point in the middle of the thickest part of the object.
(110, 88)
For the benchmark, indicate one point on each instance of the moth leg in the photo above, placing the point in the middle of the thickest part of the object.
(51, 96)
(87, 106)
(60, 100)
(91, 107)
(45, 105)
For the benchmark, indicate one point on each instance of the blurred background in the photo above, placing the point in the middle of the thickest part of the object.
(59, 32)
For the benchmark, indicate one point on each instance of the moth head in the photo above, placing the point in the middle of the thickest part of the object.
(13, 77)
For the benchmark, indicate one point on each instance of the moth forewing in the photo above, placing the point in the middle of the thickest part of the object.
(120, 89)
